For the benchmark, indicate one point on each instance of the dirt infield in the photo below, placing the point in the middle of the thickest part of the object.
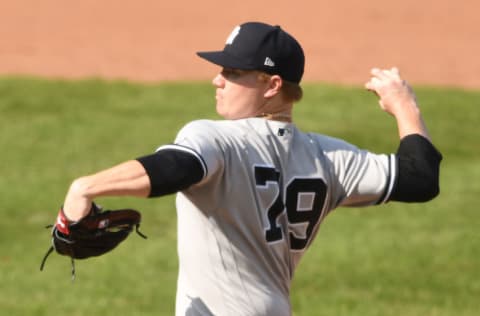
(433, 42)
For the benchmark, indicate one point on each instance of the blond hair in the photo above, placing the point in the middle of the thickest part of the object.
(291, 92)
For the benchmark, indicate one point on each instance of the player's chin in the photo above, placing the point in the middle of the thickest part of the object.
(229, 112)
(221, 110)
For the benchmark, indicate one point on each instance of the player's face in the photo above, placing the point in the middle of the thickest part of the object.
(239, 94)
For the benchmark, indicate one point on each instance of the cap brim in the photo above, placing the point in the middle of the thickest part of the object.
(225, 60)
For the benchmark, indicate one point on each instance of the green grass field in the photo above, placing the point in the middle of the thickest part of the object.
(397, 259)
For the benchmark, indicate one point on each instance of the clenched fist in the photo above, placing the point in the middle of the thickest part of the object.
(395, 94)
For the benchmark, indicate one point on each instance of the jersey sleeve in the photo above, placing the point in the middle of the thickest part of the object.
(360, 177)
(203, 140)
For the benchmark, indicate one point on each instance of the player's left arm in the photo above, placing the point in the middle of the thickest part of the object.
(167, 171)
(128, 179)
(192, 158)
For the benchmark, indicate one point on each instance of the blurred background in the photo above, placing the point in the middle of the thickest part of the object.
(433, 42)
(88, 84)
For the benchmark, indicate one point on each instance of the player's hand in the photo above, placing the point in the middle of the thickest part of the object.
(77, 203)
(395, 95)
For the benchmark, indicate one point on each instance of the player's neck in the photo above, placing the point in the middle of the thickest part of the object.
(279, 116)
(276, 110)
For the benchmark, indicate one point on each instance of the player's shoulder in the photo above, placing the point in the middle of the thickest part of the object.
(211, 127)
(207, 131)
(202, 123)
(330, 144)
(198, 126)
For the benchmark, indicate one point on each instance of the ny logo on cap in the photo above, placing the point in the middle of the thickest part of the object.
(232, 35)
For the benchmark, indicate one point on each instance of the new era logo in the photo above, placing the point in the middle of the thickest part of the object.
(269, 62)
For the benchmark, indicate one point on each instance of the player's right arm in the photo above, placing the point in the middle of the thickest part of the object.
(417, 161)
(412, 174)
(397, 98)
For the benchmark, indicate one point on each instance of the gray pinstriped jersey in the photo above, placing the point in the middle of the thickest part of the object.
(266, 187)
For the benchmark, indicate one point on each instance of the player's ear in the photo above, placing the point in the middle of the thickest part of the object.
(274, 85)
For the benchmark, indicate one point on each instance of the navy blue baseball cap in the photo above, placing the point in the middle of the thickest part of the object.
(262, 47)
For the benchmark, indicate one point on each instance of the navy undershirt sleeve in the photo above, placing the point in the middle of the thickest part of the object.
(171, 171)
(418, 170)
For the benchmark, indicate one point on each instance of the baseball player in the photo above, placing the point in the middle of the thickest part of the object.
(253, 189)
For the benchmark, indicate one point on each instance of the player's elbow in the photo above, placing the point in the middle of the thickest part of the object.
(425, 189)
(421, 187)
(418, 180)
(418, 171)
(431, 192)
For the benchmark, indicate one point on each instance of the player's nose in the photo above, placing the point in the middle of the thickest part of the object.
(218, 81)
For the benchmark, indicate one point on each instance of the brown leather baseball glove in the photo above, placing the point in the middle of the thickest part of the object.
(94, 235)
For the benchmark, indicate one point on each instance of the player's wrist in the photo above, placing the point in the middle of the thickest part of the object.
(412, 125)
(64, 220)
(77, 203)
